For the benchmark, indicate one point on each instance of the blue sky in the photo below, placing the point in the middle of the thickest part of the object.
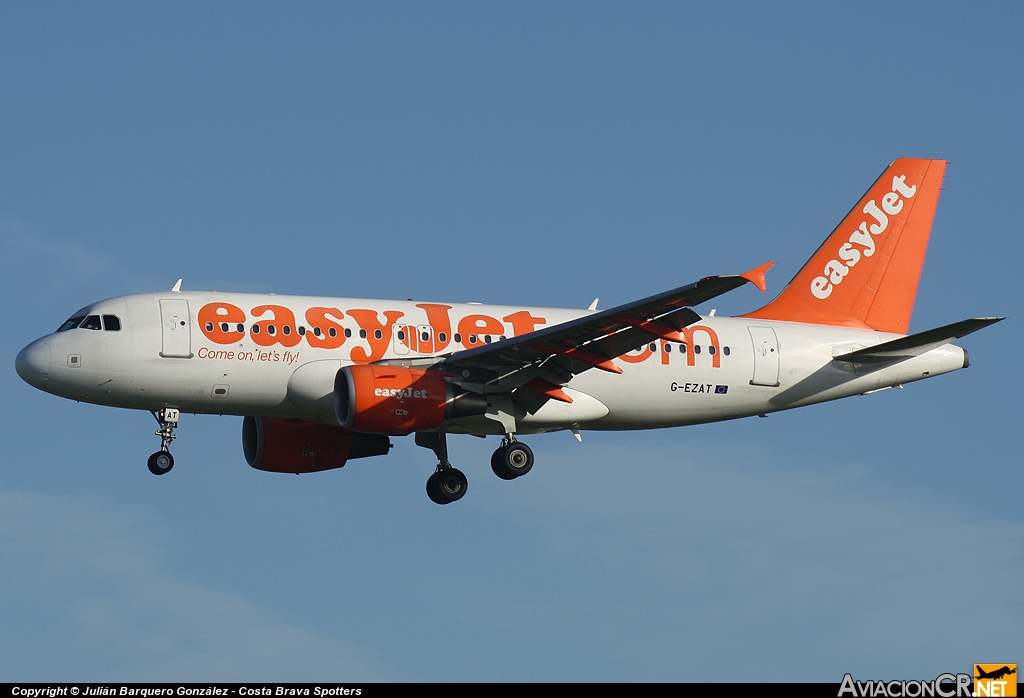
(537, 154)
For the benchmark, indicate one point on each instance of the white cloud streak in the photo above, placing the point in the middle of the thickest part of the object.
(698, 559)
(88, 598)
(615, 562)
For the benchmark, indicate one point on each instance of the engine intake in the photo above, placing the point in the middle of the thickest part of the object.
(395, 400)
(300, 446)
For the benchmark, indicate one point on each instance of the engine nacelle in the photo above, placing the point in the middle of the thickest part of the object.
(396, 400)
(300, 446)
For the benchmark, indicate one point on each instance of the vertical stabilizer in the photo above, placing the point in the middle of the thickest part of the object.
(866, 273)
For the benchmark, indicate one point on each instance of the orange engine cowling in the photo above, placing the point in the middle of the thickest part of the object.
(300, 446)
(395, 400)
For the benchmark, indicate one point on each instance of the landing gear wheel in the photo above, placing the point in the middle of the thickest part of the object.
(432, 489)
(512, 460)
(446, 486)
(497, 466)
(160, 462)
(452, 484)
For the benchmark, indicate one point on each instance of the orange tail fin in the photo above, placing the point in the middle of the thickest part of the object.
(866, 272)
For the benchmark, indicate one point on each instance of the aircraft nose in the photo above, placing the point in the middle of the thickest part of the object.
(33, 364)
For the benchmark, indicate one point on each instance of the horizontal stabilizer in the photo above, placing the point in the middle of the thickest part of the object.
(917, 344)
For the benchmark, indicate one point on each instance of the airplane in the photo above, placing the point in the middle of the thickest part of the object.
(320, 381)
(996, 674)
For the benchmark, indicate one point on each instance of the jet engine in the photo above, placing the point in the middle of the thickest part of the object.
(300, 446)
(380, 399)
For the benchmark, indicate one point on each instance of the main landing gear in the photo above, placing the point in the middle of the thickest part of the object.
(512, 459)
(162, 461)
(447, 484)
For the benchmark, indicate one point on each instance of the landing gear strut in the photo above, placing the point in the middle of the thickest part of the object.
(447, 484)
(512, 459)
(162, 461)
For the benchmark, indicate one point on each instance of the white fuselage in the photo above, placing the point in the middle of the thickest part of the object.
(275, 356)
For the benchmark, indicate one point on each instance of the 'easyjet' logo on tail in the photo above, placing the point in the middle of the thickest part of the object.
(861, 241)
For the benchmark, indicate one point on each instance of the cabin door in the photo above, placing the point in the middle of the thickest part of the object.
(176, 329)
(766, 356)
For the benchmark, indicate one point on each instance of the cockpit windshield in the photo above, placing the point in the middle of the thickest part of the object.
(110, 323)
(71, 323)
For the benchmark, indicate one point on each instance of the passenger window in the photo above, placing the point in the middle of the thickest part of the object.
(696, 348)
(653, 346)
(271, 330)
(209, 327)
(487, 339)
(223, 327)
(287, 329)
(334, 333)
(668, 348)
(92, 323)
(424, 337)
(71, 323)
(241, 327)
(725, 350)
(682, 348)
(442, 337)
(255, 329)
(302, 331)
(401, 335)
(472, 339)
(316, 331)
(711, 350)
(111, 323)
(377, 334)
(362, 334)
(348, 332)
(458, 338)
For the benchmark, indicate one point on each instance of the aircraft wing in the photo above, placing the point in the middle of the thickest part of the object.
(549, 357)
(916, 344)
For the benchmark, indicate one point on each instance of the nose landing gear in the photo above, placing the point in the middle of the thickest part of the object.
(162, 461)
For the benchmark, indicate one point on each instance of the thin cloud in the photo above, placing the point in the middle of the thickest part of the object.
(702, 557)
(88, 598)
